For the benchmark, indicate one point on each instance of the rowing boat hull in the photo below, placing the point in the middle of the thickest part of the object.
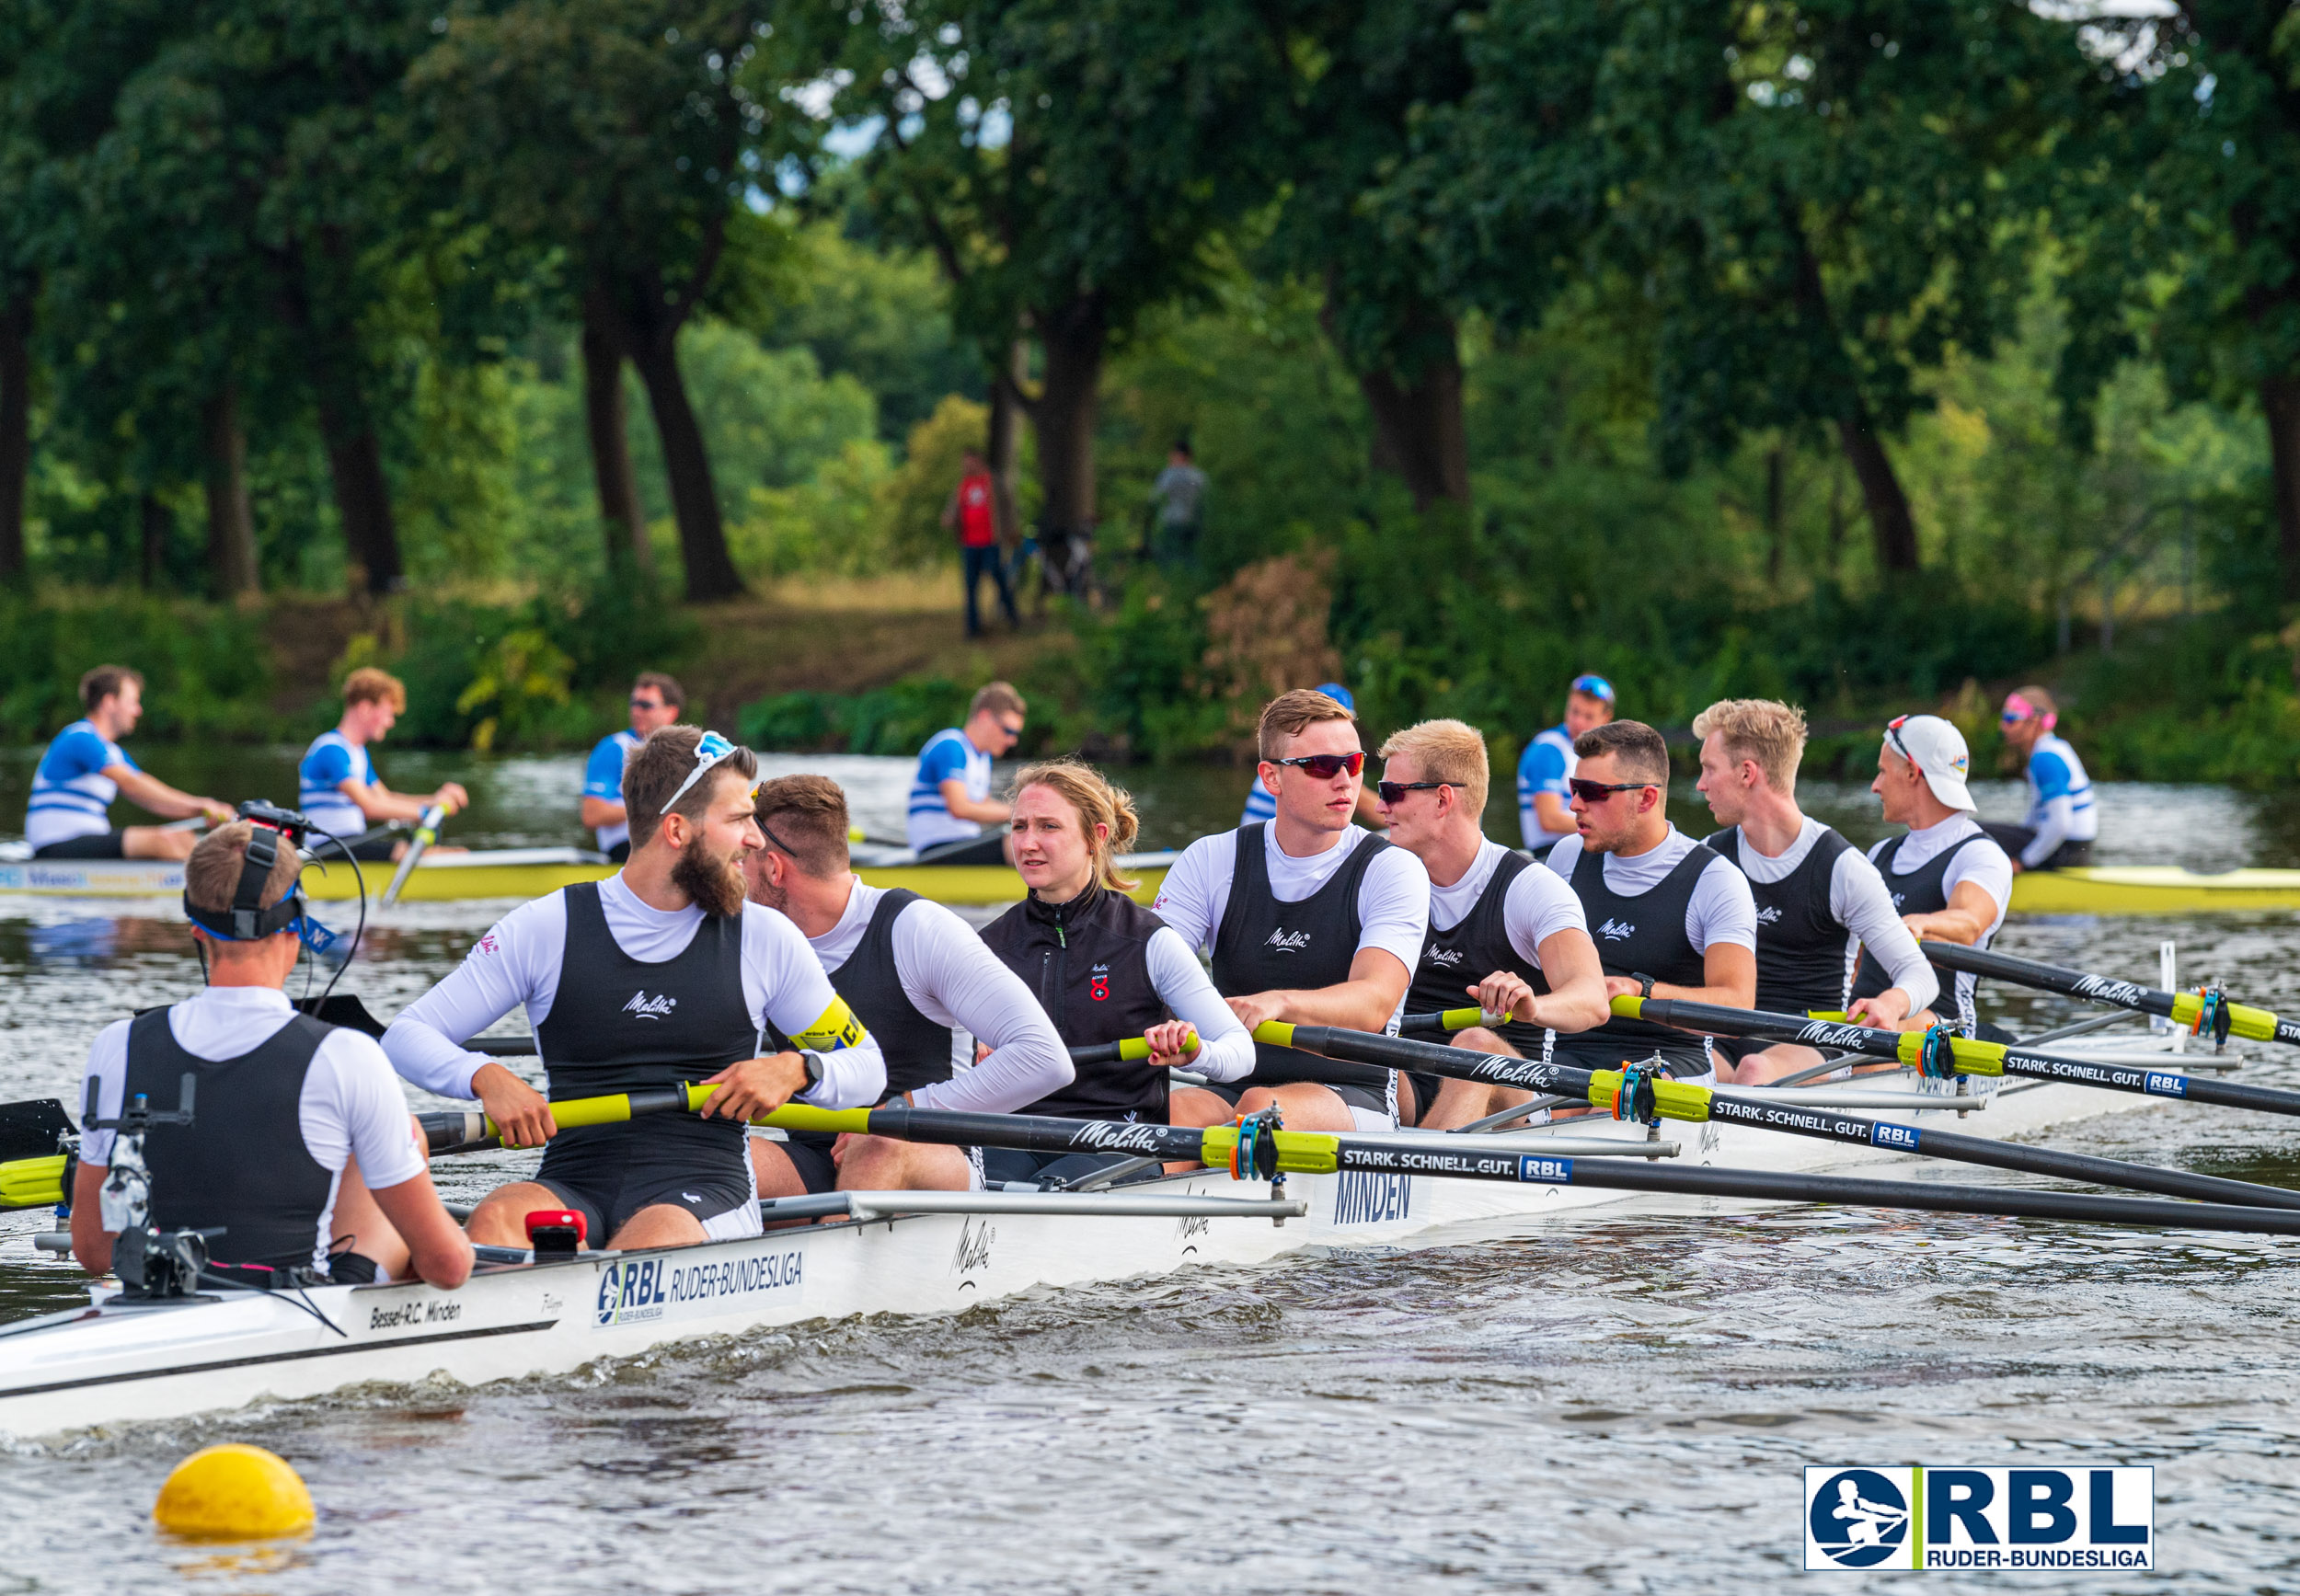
(2153, 889)
(116, 1366)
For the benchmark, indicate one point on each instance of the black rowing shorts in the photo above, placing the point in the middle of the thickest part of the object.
(607, 1173)
(374, 851)
(101, 845)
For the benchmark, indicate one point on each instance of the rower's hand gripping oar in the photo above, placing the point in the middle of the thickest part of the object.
(1127, 1051)
(426, 834)
(2207, 1012)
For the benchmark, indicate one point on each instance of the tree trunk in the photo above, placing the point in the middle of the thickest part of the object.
(231, 528)
(1418, 428)
(15, 430)
(2280, 402)
(694, 501)
(355, 463)
(1889, 519)
(154, 522)
(605, 414)
(1005, 438)
(1074, 337)
(1776, 469)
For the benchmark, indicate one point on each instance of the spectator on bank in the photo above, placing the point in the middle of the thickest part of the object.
(1179, 495)
(972, 514)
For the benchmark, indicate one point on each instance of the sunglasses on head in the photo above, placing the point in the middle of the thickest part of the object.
(1597, 792)
(1396, 791)
(1326, 766)
(1892, 735)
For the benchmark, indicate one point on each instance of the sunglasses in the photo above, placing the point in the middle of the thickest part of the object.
(1592, 687)
(1326, 766)
(1010, 730)
(1892, 735)
(646, 704)
(707, 753)
(1395, 791)
(1596, 792)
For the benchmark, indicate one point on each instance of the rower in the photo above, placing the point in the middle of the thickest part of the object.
(1545, 767)
(951, 801)
(342, 793)
(656, 701)
(1105, 969)
(1501, 929)
(300, 1155)
(1949, 879)
(2062, 822)
(658, 976)
(919, 976)
(1309, 918)
(85, 769)
(1670, 918)
(1817, 898)
(1261, 805)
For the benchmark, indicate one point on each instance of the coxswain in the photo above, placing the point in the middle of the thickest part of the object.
(85, 769)
(1950, 881)
(2062, 822)
(951, 801)
(1105, 969)
(1670, 918)
(1309, 919)
(1261, 804)
(1818, 899)
(920, 978)
(658, 976)
(300, 1154)
(340, 793)
(1543, 815)
(1503, 931)
(656, 701)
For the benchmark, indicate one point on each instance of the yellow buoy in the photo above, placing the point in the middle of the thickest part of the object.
(233, 1492)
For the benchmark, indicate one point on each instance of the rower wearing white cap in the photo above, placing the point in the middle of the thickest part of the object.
(2062, 822)
(1545, 771)
(1817, 898)
(1949, 878)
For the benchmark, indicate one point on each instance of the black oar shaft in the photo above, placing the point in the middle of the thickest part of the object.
(2256, 1024)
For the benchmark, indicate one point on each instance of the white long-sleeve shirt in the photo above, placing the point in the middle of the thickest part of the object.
(952, 977)
(1859, 901)
(518, 963)
(1226, 1048)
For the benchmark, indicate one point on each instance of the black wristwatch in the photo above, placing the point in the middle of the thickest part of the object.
(1645, 983)
(813, 1062)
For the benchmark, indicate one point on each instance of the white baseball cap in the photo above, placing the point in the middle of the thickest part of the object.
(1937, 748)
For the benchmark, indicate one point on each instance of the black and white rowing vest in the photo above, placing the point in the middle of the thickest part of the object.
(241, 1165)
(618, 1024)
(1087, 963)
(917, 1049)
(1922, 891)
(1802, 947)
(1263, 944)
(1456, 959)
(1643, 934)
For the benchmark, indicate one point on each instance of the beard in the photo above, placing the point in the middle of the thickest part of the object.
(714, 883)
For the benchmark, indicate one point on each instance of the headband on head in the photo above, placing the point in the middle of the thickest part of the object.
(246, 920)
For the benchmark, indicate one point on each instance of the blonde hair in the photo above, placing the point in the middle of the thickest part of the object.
(1771, 733)
(368, 684)
(212, 874)
(1097, 802)
(1450, 751)
(999, 698)
(1292, 714)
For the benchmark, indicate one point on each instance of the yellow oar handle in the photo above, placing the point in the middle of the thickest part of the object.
(1461, 1019)
(33, 1182)
(2255, 1025)
(1671, 1099)
(1135, 1049)
(1276, 1033)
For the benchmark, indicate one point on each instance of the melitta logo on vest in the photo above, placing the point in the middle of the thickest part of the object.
(1286, 941)
(1769, 916)
(647, 1007)
(1448, 957)
(1614, 931)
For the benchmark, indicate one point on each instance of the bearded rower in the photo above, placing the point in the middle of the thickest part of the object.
(1950, 881)
(1546, 769)
(656, 976)
(300, 1155)
(1817, 898)
(1309, 919)
(1105, 969)
(920, 978)
(339, 791)
(1502, 930)
(85, 769)
(1670, 918)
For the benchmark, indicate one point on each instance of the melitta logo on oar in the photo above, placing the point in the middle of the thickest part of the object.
(1925, 1516)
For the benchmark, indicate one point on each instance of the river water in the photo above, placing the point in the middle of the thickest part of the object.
(1619, 1404)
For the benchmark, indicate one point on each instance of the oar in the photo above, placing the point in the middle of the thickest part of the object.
(2182, 1008)
(1452, 1020)
(1667, 1099)
(426, 834)
(1965, 1056)
(1131, 1051)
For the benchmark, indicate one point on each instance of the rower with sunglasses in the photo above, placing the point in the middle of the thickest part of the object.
(1262, 806)
(1817, 897)
(951, 801)
(1670, 918)
(661, 974)
(2062, 822)
(1309, 919)
(920, 978)
(1546, 766)
(656, 701)
(1502, 930)
(1950, 881)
